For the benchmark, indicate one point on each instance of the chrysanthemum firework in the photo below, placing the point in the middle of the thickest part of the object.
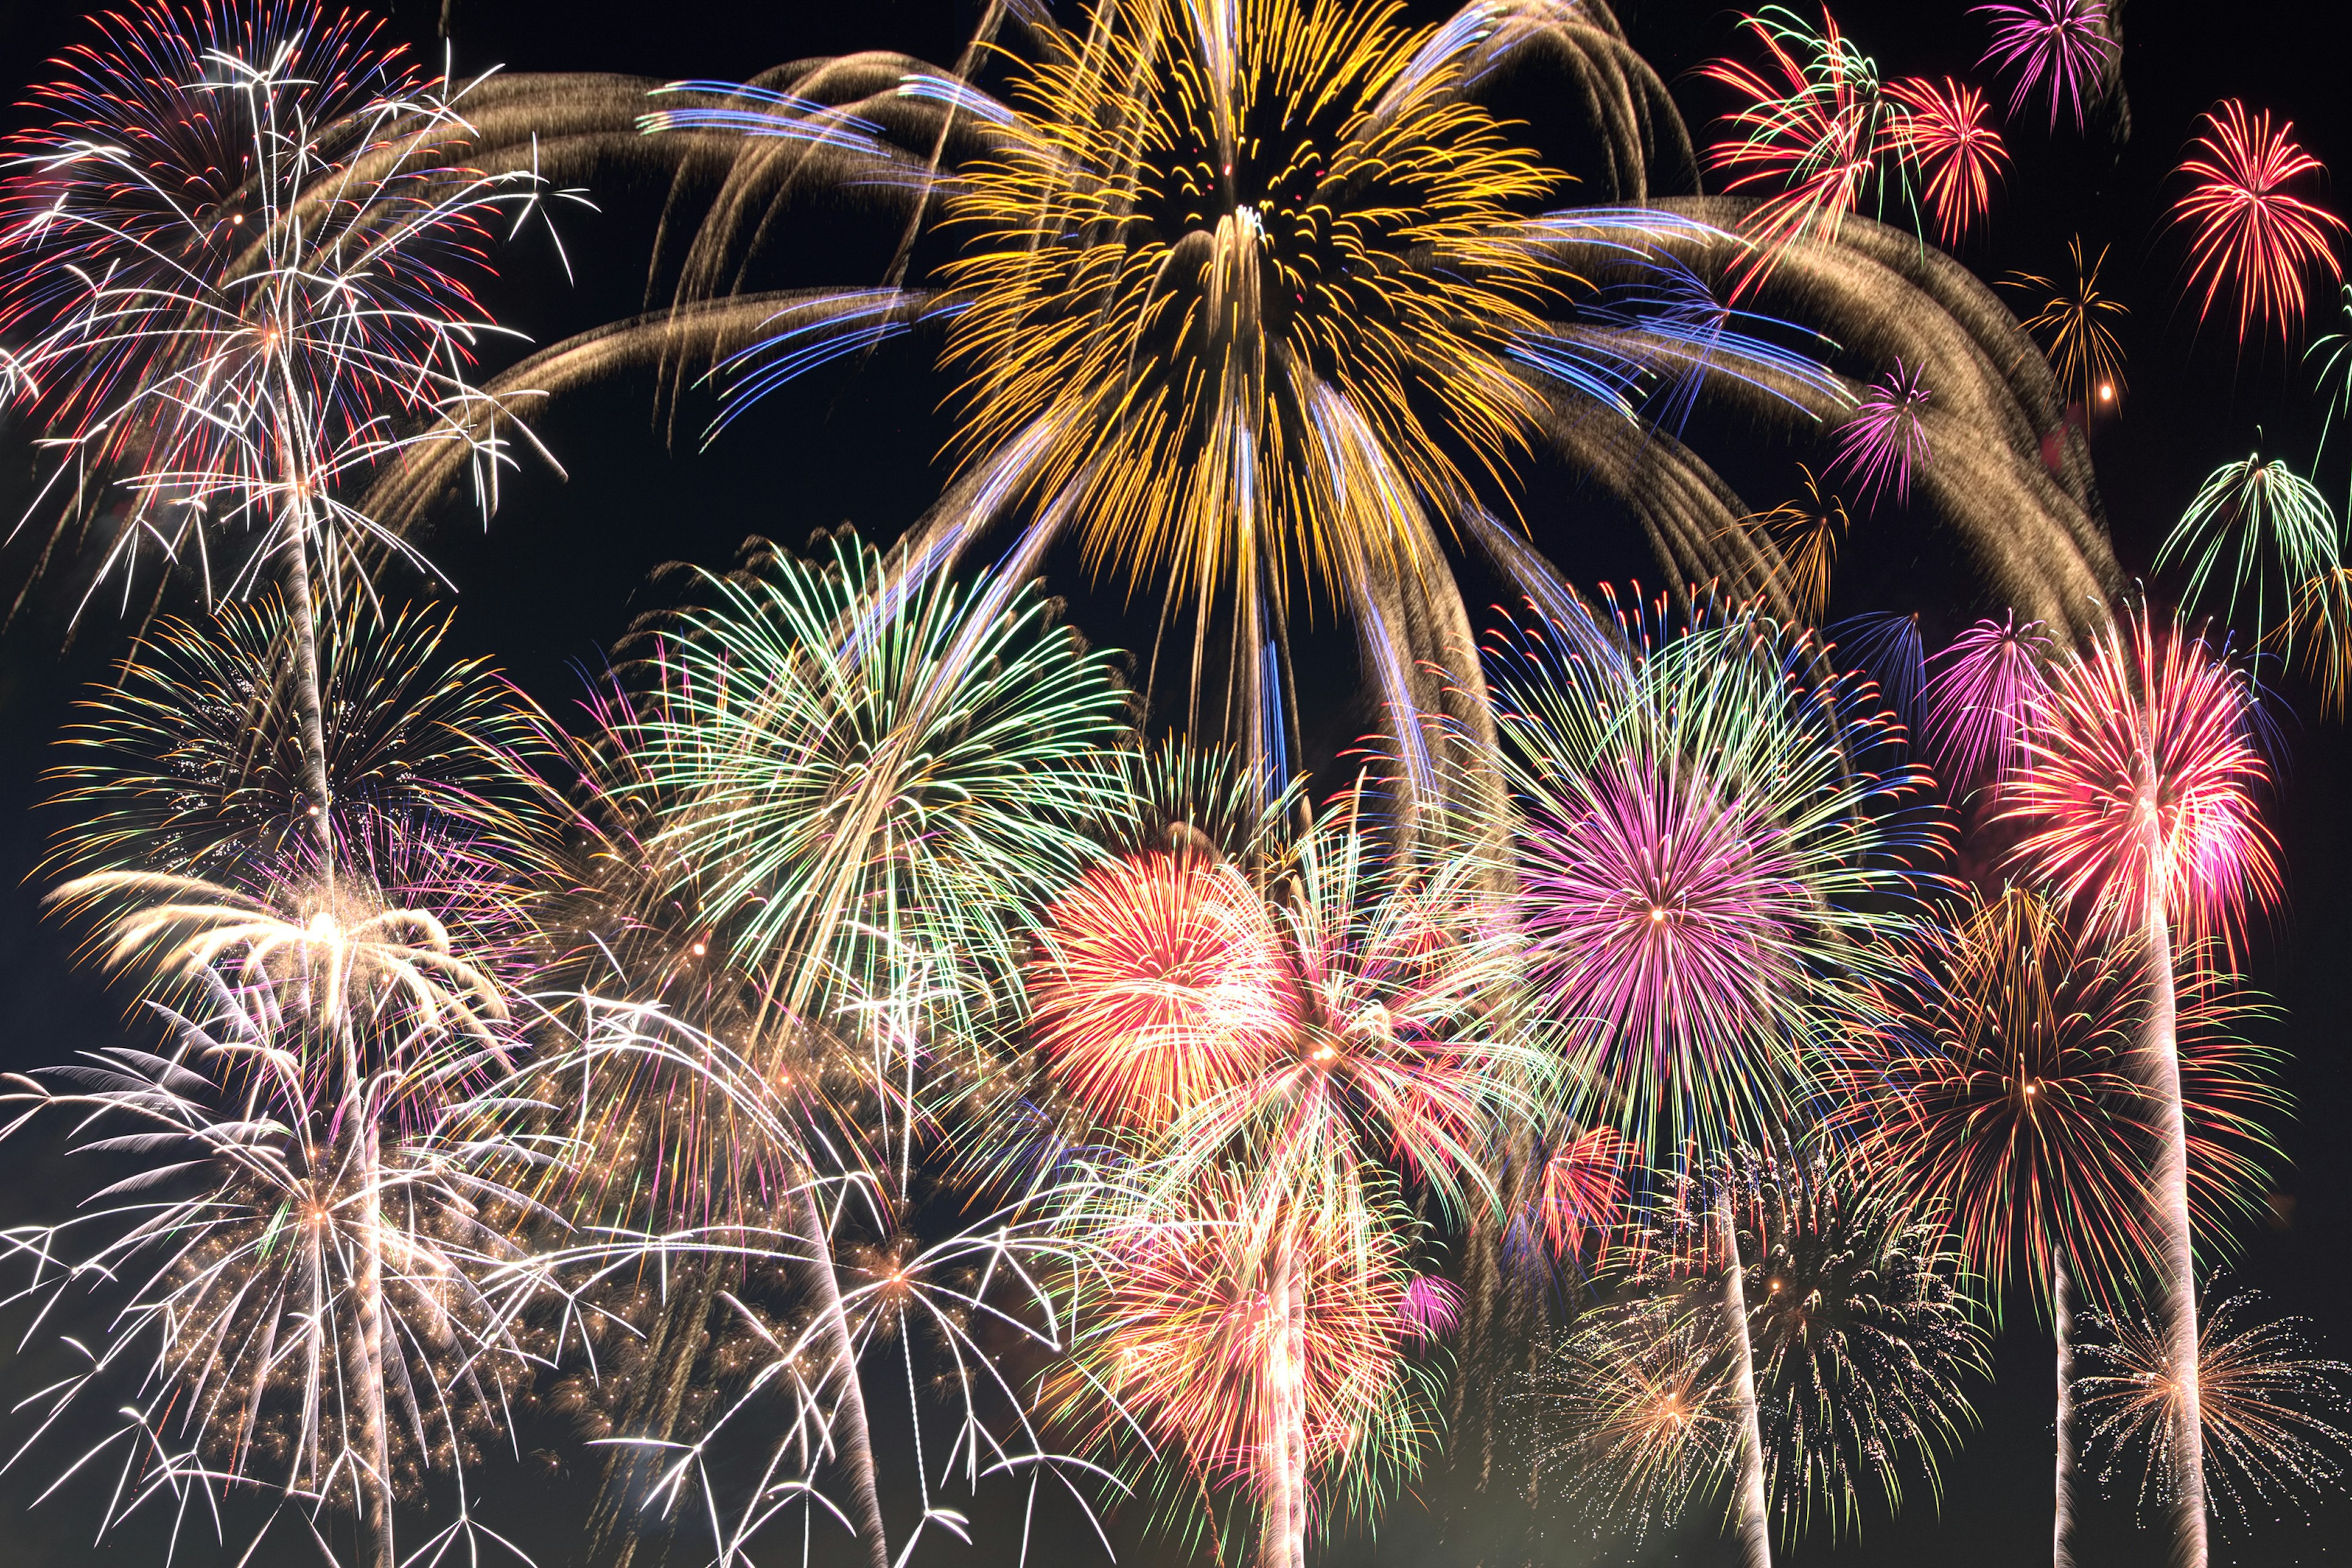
(1983, 701)
(1705, 848)
(1959, 152)
(1887, 436)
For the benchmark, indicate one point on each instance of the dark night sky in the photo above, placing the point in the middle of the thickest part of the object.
(562, 568)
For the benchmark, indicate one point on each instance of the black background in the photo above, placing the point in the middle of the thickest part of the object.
(563, 566)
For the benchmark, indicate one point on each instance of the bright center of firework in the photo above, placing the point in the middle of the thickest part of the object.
(2106, 392)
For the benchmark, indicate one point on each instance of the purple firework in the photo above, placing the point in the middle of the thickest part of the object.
(2062, 45)
(1979, 704)
(1887, 436)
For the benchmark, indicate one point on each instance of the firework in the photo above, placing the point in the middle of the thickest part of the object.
(1162, 984)
(2065, 48)
(1887, 436)
(239, 244)
(2248, 232)
(1982, 702)
(325, 1308)
(2082, 347)
(1859, 1333)
(1640, 1393)
(1816, 126)
(2275, 1417)
(2261, 528)
(1958, 154)
(1806, 534)
(1400, 322)
(2334, 376)
(1698, 843)
(2137, 803)
(1256, 1332)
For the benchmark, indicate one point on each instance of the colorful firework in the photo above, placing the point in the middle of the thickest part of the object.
(1959, 153)
(238, 245)
(2276, 1417)
(1286, 453)
(2248, 233)
(2073, 330)
(1698, 841)
(2137, 807)
(2064, 48)
(1887, 436)
(1815, 128)
(2261, 529)
(1982, 702)
(1252, 1331)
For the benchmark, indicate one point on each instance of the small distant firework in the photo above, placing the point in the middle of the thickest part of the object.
(2319, 624)
(1580, 1193)
(2277, 1416)
(1697, 842)
(1815, 129)
(2334, 378)
(2082, 347)
(1887, 436)
(1959, 152)
(1983, 701)
(2249, 234)
(1806, 533)
(2260, 528)
(2060, 47)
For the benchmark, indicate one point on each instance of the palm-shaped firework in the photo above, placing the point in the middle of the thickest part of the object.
(1270, 1041)
(2137, 803)
(1262, 305)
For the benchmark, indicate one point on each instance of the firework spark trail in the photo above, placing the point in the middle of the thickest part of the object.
(2138, 802)
(2248, 232)
(2063, 46)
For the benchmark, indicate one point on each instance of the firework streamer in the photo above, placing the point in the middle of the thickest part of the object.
(2068, 49)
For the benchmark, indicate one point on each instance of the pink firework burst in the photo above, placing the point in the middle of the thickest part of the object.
(2138, 788)
(1887, 436)
(2060, 46)
(2248, 231)
(1957, 150)
(1993, 681)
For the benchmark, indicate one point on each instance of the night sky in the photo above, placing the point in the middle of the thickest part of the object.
(564, 566)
